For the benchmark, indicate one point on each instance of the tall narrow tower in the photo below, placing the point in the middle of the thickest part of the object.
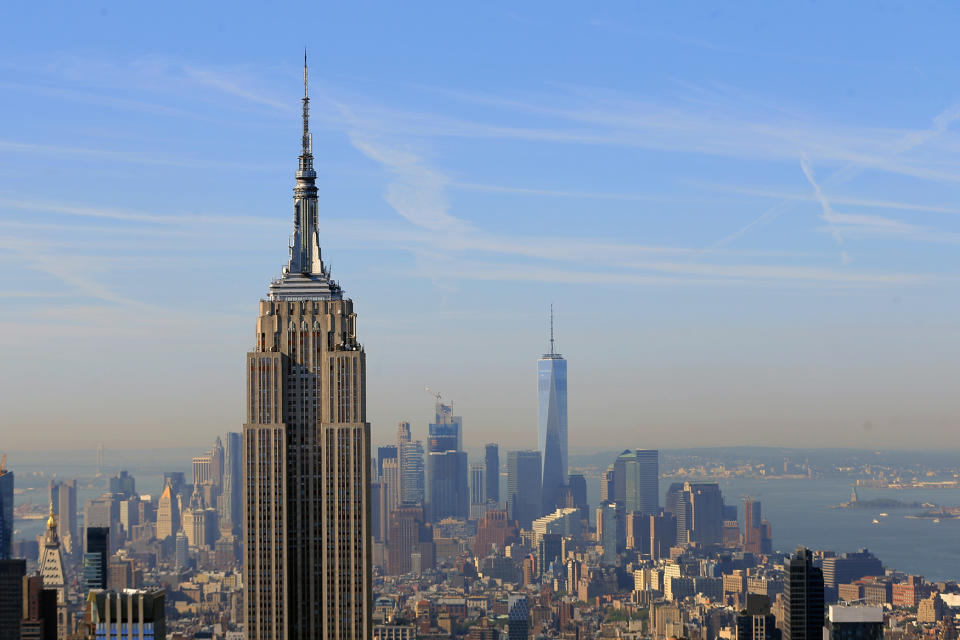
(552, 431)
(306, 447)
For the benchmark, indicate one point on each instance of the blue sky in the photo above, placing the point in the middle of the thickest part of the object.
(745, 215)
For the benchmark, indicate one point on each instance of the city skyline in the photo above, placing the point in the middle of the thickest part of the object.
(731, 224)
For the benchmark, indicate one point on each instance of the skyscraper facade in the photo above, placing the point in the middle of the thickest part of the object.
(523, 486)
(699, 513)
(803, 598)
(636, 481)
(491, 457)
(445, 433)
(388, 452)
(478, 489)
(50, 566)
(12, 574)
(447, 493)
(552, 423)
(168, 514)
(6, 513)
(96, 553)
(306, 442)
(231, 500)
(756, 530)
(63, 497)
(412, 487)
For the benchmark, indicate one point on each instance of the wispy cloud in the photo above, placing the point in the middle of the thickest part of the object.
(826, 210)
(416, 191)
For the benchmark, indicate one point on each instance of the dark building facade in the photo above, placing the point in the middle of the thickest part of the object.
(95, 557)
(848, 567)
(803, 598)
(491, 458)
(523, 486)
(11, 597)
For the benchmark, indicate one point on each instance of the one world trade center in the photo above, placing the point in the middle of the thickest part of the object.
(552, 428)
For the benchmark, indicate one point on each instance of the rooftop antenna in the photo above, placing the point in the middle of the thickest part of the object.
(307, 138)
(552, 351)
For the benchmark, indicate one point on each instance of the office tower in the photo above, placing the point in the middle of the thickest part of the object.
(478, 482)
(552, 423)
(123, 484)
(63, 497)
(446, 432)
(700, 513)
(671, 501)
(408, 535)
(50, 567)
(412, 472)
(523, 486)
(663, 534)
(217, 455)
(199, 522)
(168, 514)
(129, 515)
(230, 504)
(447, 494)
(496, 530)
(181, 551)
(39, 609)
(491, 457)
(201, 469)
(389, 494)
(12, 573)
(636, 481)
(388, 452)
(638, 532)
(803, 598)
(756, 622)
(608, 485)
(6, 510)
(307, 569)
(607, 532)
(577, 486)
(403, 433)
(478, 489)
(854, 623)
(129, 614)
(176, 480)
(518, 617)
(96, 553)
(848, 567)
(756, 530)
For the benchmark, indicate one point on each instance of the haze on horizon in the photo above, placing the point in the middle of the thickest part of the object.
(746, 217)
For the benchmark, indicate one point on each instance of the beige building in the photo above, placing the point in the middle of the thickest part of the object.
(306, 446)
(168, 514)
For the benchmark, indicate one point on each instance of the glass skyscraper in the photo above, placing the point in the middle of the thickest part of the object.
(552, 427)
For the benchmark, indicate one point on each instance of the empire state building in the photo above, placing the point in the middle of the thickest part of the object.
(306, 447)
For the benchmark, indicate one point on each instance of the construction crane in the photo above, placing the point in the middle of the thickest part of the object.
(433, 393)
(3, 463)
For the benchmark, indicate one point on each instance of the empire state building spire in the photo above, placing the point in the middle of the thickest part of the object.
(305, 276)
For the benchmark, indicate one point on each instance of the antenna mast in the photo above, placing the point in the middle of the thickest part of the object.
(552, 351)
